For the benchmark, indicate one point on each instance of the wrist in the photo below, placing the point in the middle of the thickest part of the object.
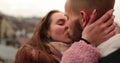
(85, 40)
(88, 41)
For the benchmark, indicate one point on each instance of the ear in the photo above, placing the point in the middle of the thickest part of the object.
(85, 18)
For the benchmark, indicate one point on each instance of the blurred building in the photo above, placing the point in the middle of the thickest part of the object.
(0, 24)
(6, 29)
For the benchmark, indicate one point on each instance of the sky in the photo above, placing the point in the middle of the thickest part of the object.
(29, 8)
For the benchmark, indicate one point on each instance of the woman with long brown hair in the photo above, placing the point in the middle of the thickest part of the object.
(52, 28)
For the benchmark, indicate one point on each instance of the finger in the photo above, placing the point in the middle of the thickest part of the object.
(106, 16)
(110, 35)
(92, 17)
(110, 29)
(109, 22)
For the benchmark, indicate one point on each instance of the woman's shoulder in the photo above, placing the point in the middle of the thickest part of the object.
(26, 50)
(24, 54)
(26, 47)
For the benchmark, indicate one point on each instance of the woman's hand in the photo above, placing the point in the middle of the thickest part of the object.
(100, 30)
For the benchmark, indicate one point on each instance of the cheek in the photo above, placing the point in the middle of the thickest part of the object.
(75, 30)
(58, 33)
(59, 30)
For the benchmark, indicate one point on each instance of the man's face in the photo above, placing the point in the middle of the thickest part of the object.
(75, 28)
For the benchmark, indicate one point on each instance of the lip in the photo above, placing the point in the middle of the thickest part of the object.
(68, 34)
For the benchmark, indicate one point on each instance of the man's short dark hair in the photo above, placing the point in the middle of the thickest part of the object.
(101, 6)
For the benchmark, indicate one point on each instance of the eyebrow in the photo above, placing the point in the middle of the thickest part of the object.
(61, 19)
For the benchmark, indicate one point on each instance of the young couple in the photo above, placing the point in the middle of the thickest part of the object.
(83, 29)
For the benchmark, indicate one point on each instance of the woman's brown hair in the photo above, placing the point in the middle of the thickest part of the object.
(36, 50)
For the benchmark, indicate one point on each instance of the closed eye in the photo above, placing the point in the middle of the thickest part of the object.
(61, 21)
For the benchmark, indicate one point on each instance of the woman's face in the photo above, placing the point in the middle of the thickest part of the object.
(58, 28)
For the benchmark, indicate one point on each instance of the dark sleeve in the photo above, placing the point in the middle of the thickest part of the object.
(111, 58)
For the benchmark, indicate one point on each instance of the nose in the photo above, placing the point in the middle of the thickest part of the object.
(66, 25)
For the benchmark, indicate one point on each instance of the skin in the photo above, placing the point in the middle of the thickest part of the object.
(100, 30)
(58, 32)
(58, 28)
(105, 25)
